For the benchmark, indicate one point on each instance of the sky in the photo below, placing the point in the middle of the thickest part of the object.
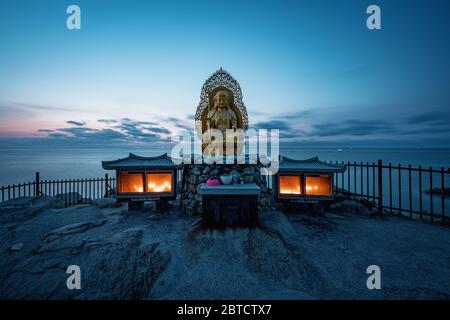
(134, 72)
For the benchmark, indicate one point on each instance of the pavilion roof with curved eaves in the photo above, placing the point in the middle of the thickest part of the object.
(309, 165)
(137, 162)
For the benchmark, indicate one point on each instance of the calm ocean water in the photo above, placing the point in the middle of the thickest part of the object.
(19, 165)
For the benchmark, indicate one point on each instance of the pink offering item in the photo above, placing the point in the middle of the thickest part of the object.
(213, 182)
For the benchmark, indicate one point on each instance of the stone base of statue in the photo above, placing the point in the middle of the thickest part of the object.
(194, 175)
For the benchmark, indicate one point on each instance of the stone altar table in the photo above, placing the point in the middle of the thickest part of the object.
(234, 205)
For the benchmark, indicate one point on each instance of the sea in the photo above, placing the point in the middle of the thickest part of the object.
(19, 165)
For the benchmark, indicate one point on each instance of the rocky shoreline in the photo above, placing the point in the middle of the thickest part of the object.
(293, 253)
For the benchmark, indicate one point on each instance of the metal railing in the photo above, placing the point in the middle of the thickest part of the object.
(416, 192)
(70, 191)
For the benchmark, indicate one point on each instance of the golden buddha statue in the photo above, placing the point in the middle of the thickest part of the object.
(221, 111)
(222, 116)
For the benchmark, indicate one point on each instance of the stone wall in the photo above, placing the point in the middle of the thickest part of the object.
(195, 174)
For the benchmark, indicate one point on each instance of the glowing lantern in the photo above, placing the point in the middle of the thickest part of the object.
(159, 182)
(308, 180)
(290, 185)
(319, 186)
(131, 182)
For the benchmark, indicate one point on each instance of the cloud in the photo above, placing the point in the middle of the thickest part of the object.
(18, 111)
(183, 124)
(149, 123)
(273, 124)
(292, 129)
(107, 135)
(315, 129)
(58, 135)
(76, 123)
(287, 130)
(427, 131)
(40, 107)
(7, 110)
(107, 121)
(136, 122)
(353, 127)
(116, 131)
(141, 129)
(303, 114)
(157, 130)
(78, 131)
(13, 111)
(339, 127)
(428, 118)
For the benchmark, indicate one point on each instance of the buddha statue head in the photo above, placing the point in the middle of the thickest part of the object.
(220, 99)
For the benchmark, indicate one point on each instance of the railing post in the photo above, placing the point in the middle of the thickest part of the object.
(106, 186)
(373, 181)
(380, 188)
(400, 209)
(442, 197)
(431, 195)
(348, 176)
(37, 188)
(390, 188)
(420, 193)
(410, 192)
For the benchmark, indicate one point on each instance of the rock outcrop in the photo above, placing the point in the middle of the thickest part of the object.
(149, 255)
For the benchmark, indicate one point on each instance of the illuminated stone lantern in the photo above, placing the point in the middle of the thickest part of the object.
(305, 180)
(142, 179)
